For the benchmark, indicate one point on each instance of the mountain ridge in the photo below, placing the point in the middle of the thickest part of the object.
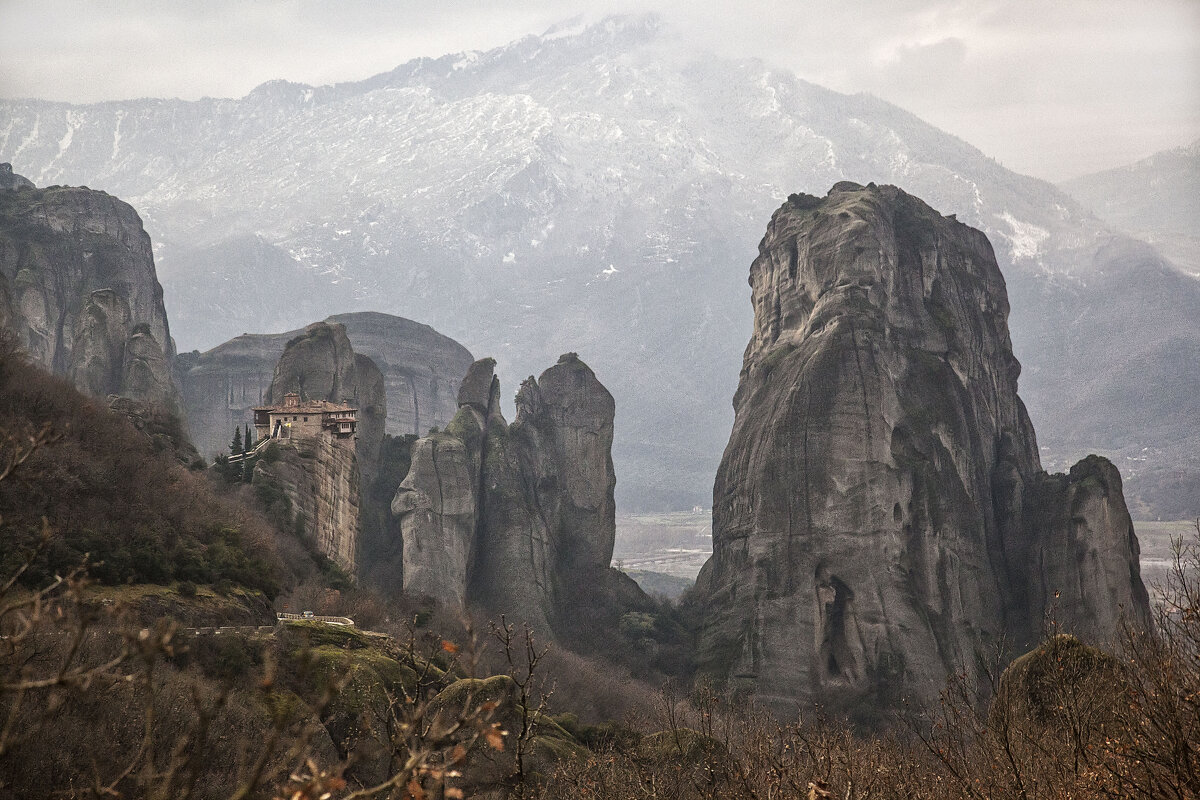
(572, 194)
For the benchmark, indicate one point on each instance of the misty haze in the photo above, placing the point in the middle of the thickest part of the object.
(501, 404)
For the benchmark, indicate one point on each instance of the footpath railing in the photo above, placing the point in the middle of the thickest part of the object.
(285, 617)
(236, 457)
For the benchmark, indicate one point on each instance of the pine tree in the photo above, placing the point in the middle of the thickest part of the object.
(247, 473)
(235, 449)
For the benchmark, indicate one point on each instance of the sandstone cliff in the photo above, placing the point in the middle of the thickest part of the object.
(420, 367)
(321, 475)
(518, 519)
(320, 364)
(880, 516)
(78, 286)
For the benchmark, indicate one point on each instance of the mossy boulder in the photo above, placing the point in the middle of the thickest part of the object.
(681, 746)
(1059, 684)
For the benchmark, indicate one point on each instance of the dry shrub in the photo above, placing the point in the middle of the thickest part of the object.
(112, 495)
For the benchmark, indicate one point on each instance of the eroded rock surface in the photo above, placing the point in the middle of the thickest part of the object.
(880, 502)
(518, 519)
(78, 286)
(421, 369)
(320, 364)
(10, 181)
(321, 474)
(436, 508)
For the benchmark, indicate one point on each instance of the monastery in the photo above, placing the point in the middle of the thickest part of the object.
(311, 419)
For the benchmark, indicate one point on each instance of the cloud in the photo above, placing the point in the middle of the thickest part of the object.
(1011, 76)
(938, 57)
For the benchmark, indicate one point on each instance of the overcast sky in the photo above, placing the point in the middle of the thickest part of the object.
(1052, 88)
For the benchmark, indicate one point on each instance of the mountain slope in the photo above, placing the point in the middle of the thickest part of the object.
(598, 191)
(1157, 198)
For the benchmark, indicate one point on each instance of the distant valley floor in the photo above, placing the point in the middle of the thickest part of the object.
(664, 552)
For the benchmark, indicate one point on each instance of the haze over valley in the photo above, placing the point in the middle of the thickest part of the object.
(597, 189)
(669, 403)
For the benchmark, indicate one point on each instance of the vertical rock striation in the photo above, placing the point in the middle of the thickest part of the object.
(320, 364)
(518, 519)
(421, 369)
(880, 516)
(321, 475)
(79, 289)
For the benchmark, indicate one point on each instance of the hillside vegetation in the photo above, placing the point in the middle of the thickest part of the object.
(92, 489)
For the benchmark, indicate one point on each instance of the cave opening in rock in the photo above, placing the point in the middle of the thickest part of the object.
(836, 601)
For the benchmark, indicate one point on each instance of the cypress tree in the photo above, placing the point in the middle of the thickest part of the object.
(234, 449)
(247, 473)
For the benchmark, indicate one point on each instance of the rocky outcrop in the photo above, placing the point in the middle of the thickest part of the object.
(880, 515)
(1076, 556)
(321, 474)
(320, 364)
(320, 477)
(78, 286)
(518, 519)
(10, 181)
(436, 506)
(420, 369)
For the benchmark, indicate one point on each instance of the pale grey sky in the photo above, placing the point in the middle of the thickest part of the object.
(1052, 88)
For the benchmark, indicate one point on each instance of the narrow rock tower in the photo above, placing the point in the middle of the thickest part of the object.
(880, 516)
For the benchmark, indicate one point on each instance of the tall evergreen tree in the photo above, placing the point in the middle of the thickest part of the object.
(247, 472)
(237, 448)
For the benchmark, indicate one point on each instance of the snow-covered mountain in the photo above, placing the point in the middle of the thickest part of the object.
(1157, 199)
(601, 189)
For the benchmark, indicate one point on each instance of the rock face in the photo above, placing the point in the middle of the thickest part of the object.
(436, 505)
(10, 181)
(78, 286)
(321, 475)
(320, 364)
(420, 368)
(520, 518)
(880, 515)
